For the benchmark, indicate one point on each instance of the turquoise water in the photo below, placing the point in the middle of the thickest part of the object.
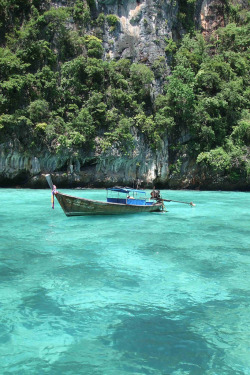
(161, 293)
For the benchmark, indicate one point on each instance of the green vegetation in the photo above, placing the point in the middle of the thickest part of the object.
(112, 19)
(56, 91)
(207, 97)
(186, 14)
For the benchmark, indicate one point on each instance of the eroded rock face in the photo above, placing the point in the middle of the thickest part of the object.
(18, 167)
(144, 25)
(142, 164)
(211, 15)
(86, 169)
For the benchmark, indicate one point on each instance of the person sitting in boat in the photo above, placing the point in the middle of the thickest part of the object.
(129, 197)
(155, 194)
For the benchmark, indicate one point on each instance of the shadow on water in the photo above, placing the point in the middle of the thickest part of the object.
(144, 341)
(39, 301)
(157, 342)
(133, 339)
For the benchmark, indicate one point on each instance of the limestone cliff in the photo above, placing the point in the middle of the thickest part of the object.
(144, 26)
(141, 34)
(19, 168)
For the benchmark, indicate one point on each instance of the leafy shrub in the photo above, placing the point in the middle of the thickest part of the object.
(94, 46)
(81, 13)
(112, 20)
(38, 110)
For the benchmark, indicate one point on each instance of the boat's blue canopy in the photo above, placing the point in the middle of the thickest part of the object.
(126, 190)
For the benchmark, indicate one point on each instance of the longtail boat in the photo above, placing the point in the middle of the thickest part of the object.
(120, 200)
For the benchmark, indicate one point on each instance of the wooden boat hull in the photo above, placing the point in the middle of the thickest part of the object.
(73, 206)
